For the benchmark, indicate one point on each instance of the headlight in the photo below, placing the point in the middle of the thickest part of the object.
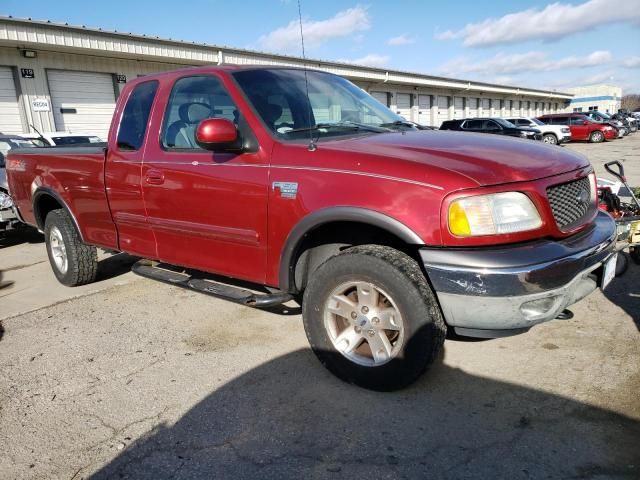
(5, 201)
(493, 214)
(524, 134)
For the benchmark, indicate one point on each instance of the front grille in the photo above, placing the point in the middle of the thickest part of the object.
(570, 202)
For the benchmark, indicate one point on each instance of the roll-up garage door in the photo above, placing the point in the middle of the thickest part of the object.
(10, 120)
(83, 102)
(515, 108)
(495, 104)
(486, 107)
(382, 97)
(443, 109)
(473, 107)
(458, 107)
(403, 104)
(507, 107)
(424, 109)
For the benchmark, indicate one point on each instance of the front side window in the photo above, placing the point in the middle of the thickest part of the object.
(133, 125)
(192, 100)
(491, 125)
(334, 106)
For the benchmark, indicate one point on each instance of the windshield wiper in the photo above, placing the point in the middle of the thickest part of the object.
(398, 123)
(344, 125)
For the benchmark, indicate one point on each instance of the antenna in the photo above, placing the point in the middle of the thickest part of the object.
(312, 144)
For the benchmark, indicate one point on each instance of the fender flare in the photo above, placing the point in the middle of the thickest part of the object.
(40, 191)
(336, 214)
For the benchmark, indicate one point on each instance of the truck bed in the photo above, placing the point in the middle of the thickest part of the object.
(74, 176)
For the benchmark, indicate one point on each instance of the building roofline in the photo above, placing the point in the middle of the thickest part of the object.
(213, 47)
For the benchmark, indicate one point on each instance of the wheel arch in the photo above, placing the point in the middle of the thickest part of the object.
(312, 223)
(45, 200)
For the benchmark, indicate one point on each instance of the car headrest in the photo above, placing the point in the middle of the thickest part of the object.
(194, 112)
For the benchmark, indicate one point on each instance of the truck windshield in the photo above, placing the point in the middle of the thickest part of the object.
(333, 107)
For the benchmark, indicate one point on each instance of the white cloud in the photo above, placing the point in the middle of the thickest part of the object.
(502, 64)
(370, 60)
(316, 32)
(400, 40)
(551, 23)
(632, 62)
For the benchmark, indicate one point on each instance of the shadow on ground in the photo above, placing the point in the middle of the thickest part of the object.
(289, 418)
(624, 291)
(115, 265)
(22, 235)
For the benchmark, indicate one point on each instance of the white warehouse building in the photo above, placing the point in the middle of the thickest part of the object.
(603, 97)
(58, 77)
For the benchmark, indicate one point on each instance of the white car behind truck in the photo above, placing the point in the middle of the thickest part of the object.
(52, 139)
(552, 134)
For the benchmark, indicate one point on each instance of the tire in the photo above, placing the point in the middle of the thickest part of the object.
(73, 262)
(622, 264)
(406, 305)
(550, 138)
(596, 136)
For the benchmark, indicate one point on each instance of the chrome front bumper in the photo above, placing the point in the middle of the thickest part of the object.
(488, 292)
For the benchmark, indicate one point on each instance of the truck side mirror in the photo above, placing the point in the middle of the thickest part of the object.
(217, 134)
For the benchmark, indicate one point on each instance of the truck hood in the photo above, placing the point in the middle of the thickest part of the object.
(485, 159)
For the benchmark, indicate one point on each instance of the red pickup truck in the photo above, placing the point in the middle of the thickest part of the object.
(302, 186)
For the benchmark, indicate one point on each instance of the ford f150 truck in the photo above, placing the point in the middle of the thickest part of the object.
(299, 184)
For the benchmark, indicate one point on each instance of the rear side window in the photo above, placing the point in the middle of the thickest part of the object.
(133, 125)
(473, 125)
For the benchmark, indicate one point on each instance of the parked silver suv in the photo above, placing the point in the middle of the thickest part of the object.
(551, 134)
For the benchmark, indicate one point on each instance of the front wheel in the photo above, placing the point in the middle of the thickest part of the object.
(73, 262)
(596, 137)
(550, 138)
(372, 319)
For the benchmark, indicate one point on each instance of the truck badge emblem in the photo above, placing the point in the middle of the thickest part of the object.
(286, 189)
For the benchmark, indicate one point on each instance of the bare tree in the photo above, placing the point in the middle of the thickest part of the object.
(631, 102)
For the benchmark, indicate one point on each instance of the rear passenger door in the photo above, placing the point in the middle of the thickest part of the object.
(208, 210)
(123, 171)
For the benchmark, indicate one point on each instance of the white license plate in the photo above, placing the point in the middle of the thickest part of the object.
(609, 270)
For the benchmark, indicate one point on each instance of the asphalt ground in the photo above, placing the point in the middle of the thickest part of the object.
(129, 378)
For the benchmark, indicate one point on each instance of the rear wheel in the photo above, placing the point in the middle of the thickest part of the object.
(372, 319)
(596, 136)
(73, 262)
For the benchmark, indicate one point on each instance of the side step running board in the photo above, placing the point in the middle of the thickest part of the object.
(148, 269)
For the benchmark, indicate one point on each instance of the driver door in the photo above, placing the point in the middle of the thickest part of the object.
(208, 210)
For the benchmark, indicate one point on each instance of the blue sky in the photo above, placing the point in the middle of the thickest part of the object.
(535, 43)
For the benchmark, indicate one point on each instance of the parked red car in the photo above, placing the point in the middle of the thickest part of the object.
(304, 185)
(582, 127)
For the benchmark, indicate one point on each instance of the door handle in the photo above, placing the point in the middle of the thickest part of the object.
(154, 177)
